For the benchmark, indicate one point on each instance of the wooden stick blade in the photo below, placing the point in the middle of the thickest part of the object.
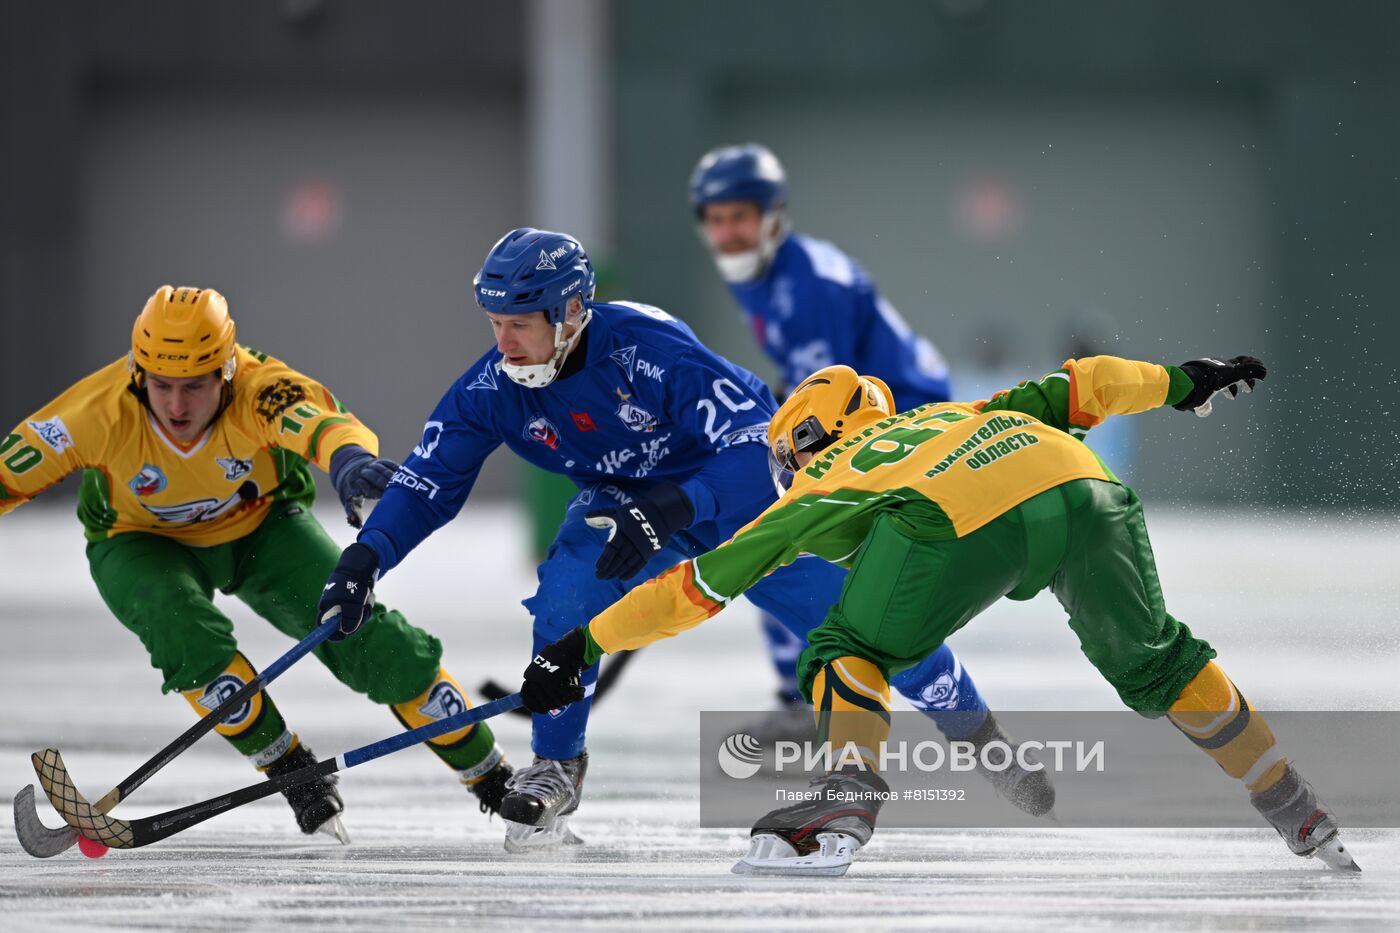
(73, 807)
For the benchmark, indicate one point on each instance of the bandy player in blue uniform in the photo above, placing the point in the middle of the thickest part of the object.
(810, 306)
(666, 442)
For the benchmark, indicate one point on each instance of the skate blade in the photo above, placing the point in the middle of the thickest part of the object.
(771, 855)
(335, 829)
(1335, 856)
(522, 837)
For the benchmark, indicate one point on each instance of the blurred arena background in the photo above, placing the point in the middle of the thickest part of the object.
(1024, 180)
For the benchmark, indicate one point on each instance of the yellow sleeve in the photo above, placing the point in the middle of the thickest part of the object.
(691, 592)
(43, 449)
(1100, 386)
(660, 608)
(297, 413)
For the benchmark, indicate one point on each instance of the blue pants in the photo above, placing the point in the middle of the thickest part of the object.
(797, 595)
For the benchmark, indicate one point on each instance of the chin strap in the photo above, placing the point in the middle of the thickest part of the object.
(539, 375)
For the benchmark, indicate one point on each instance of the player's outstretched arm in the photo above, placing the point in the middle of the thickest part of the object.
(1086, 391)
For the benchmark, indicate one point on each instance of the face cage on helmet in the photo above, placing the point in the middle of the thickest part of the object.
(807, 437)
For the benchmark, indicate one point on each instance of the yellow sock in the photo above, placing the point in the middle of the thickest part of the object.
(852, 705)
(1213, 713)
(256, 728)
(470, 751)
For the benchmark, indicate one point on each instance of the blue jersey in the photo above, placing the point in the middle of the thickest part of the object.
(815, 307)
(650, 404)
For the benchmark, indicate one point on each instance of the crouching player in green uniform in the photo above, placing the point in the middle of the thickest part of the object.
(939, 512)
(195, 455)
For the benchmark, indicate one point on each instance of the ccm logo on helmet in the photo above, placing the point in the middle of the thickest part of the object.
(172, 356)
(493, 293)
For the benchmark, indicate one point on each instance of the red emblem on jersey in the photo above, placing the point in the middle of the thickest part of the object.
(582, 421)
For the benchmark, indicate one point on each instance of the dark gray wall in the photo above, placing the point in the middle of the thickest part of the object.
(1192, 178)
(169, 142)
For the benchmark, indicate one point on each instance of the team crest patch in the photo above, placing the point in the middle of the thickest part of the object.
(278, 397)
(543, 430)
(149, 481)
(234, 469)
(942, 693)
(54, 433)
(219, 691)
(634, 416)
(443, 701)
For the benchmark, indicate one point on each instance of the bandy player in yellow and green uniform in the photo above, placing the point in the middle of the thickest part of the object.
(196, 457)
(939, 512)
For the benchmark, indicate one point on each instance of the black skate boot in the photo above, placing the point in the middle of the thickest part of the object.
(819, 836)
(539, 800)
(316, 803)
(1309, 828)
(1030, 791)
(492, 787)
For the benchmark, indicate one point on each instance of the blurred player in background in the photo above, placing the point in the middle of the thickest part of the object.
(939, 512)
(809, 305)
(666, 443)
(196, 456)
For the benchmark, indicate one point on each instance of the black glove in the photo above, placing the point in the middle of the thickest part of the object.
(637, 531)
(358, 475)
(552, 679)
(1212, 376)
(350, 590)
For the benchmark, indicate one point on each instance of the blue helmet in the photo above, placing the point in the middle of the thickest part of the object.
(738, 173)
(534, 270)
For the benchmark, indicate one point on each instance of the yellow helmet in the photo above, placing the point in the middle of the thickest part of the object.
(829, 404)
(183, 332)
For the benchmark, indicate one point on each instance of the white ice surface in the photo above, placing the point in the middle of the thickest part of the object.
(1303, 612)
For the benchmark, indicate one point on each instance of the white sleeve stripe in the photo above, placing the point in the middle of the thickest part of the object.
(1064, 376)
(704, 587)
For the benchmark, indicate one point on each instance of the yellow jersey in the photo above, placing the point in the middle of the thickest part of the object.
(945, 469)
(213, 491)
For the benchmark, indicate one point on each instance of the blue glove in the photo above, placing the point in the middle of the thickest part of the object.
(358, 475)
(349, 590)
(639, 530)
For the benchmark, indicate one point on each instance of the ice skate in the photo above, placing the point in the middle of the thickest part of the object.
(316, 803)
(791, 720)
(820, 836)
(1309, 828)
(492, 788)
(1029, 791)
(539, 801)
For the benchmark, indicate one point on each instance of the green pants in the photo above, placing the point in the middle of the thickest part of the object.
(163, 591)
(1086, 540)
